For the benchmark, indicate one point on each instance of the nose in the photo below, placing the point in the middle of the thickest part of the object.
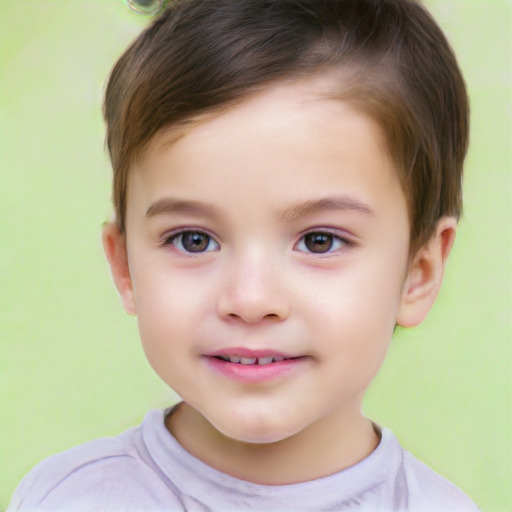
(253, 291)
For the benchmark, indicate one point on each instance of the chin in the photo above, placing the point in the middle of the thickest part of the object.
(254, 429)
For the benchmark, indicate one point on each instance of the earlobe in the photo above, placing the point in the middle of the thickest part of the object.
(425, 275)
(114, 245)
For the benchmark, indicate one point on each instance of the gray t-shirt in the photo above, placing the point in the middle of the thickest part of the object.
(146, 469)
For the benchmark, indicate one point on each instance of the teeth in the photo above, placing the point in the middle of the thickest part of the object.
(252, 360)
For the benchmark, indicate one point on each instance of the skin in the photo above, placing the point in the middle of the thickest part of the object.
(303, 236)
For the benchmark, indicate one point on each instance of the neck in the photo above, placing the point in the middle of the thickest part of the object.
(326, 447)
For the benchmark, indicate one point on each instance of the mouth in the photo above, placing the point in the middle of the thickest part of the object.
(253, 366)
(252, 360)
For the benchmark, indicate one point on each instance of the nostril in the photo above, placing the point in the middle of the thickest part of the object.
(253, 317)
(250, 301)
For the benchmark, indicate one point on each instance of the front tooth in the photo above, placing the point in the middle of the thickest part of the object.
(265, 360)
(234, 359)
(278, 358)
(247, 360)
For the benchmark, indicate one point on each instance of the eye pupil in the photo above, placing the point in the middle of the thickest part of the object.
(318, 242)
(195, 242)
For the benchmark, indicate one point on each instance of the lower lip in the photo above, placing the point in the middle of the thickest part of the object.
(253, 373)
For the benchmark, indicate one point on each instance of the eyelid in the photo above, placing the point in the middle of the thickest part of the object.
(337, 232)
(186, 229)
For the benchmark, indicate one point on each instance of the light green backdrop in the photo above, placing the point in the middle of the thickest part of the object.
(71, 368)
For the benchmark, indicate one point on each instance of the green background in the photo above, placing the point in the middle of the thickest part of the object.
(71, 367)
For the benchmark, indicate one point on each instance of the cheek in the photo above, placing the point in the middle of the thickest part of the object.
(364, 298)
(165, 332)
(163, 305)
(172, 308)
(357, 313)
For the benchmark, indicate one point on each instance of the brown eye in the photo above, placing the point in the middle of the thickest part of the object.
(193, 242)
(319, 242)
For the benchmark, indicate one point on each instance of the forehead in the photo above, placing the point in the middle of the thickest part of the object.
(289, 141)
(322, 95)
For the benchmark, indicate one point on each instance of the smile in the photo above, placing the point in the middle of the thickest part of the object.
(252, 360)
(253, 366)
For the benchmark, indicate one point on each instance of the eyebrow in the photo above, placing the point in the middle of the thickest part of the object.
(336, 203)
(171, 205)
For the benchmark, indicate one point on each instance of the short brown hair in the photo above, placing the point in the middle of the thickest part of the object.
(392, 59)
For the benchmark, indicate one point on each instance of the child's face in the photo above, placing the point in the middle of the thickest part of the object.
(277, 229)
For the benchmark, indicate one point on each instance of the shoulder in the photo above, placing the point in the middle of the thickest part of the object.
(430, 492)
(104, 474)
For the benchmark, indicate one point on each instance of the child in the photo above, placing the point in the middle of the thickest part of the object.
(287, 184)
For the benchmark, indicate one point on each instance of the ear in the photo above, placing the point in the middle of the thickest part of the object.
(114, 244)
(425, 275)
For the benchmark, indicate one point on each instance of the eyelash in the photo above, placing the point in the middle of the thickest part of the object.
(335, 242)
